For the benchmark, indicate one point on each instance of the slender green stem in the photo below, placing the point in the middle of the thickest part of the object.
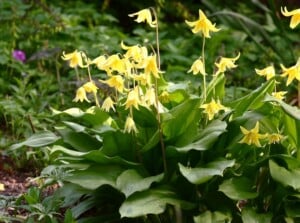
(156, 96)
(203, 60)
(77, 74)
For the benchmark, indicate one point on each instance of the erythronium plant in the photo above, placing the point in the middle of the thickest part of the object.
(150, 151)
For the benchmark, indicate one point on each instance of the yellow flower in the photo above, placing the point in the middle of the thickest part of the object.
(99, 61)
(252, 136)
(114, 63)
(150, 98)
(108, 104)
(292, 72)
(133, 99)
(136, 53)
(116, 82)
(279, 95)
(130, 125)
(151, 66)
(90, 87)
(226, 63)
(164, 97)
(295, 20)
(203, 25)
(2, 188)
(81, 95)
(144, 16)
(212, 108)
(74, 58)
(274, 138)
(268, 72)
(143, 79)
(197, 67)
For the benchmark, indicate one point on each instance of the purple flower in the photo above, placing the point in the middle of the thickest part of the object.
(19, 55)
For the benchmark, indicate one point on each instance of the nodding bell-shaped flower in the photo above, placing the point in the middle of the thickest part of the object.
(280, 95)
(267, 72)
(212, 108)
(108, 104)
(197, 67)
(226, 63)
(295, 14)
(203, 24)
(144, 15)
(130, 125)
(74, 58)
(291, 72)
(81, 95)
(90, 87)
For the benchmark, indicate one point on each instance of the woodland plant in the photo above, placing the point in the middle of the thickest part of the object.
(148, 150)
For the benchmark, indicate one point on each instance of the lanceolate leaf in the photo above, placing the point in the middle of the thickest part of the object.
(96, 176)
(38, 140)
(151, 201)
(178, 120)
(284, 176)
(96, 156)
(238, 188)
(250, 216)
(131, 181)
(212, 217)
(206, 139)
(203, 174)
(252, 100)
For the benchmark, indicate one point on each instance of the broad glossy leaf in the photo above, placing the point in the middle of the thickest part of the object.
(179, 119)
(75, 112)
(208, 136)
(38, 140)
(215, 88)
(212, 217)
(96, 156)
(96, 176)
(130, 181)
(238, 188)
(201, 175)
(151, 201)
(290, 110)
(80, 141)
(250, 216)
(74, 126)
(253, 100)
(284, 176)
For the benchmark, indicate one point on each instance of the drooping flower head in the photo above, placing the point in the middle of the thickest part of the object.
(197, 67)
(136, 53)
(212, 108)
(268, 72)
(90, 87)
(115, 81)
(151, 66)
(295, 14)
(226, 63)
(130, 125)
(81, 95)
(252, 136)
(19, 55)
(133, 99)
(203, 24)
(108, 104)
(74, 58)
(144, 15)
(291, 72)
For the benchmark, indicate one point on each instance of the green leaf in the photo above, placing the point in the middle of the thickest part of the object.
(74, 126)
(203, 174)
(96, 156)
(80, 141)
(215, 88)
(154, 140)
(212, 217)
(153, 201)
(130, 181)
(96, 176)
(207, 138)
(181, 118)
(252, 100)
(284, 176)
(238, 188)
(290, 110)
(250, 216)
(75, 112)
(37, 140)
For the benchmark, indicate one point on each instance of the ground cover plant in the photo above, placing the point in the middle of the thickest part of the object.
(139, 148)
